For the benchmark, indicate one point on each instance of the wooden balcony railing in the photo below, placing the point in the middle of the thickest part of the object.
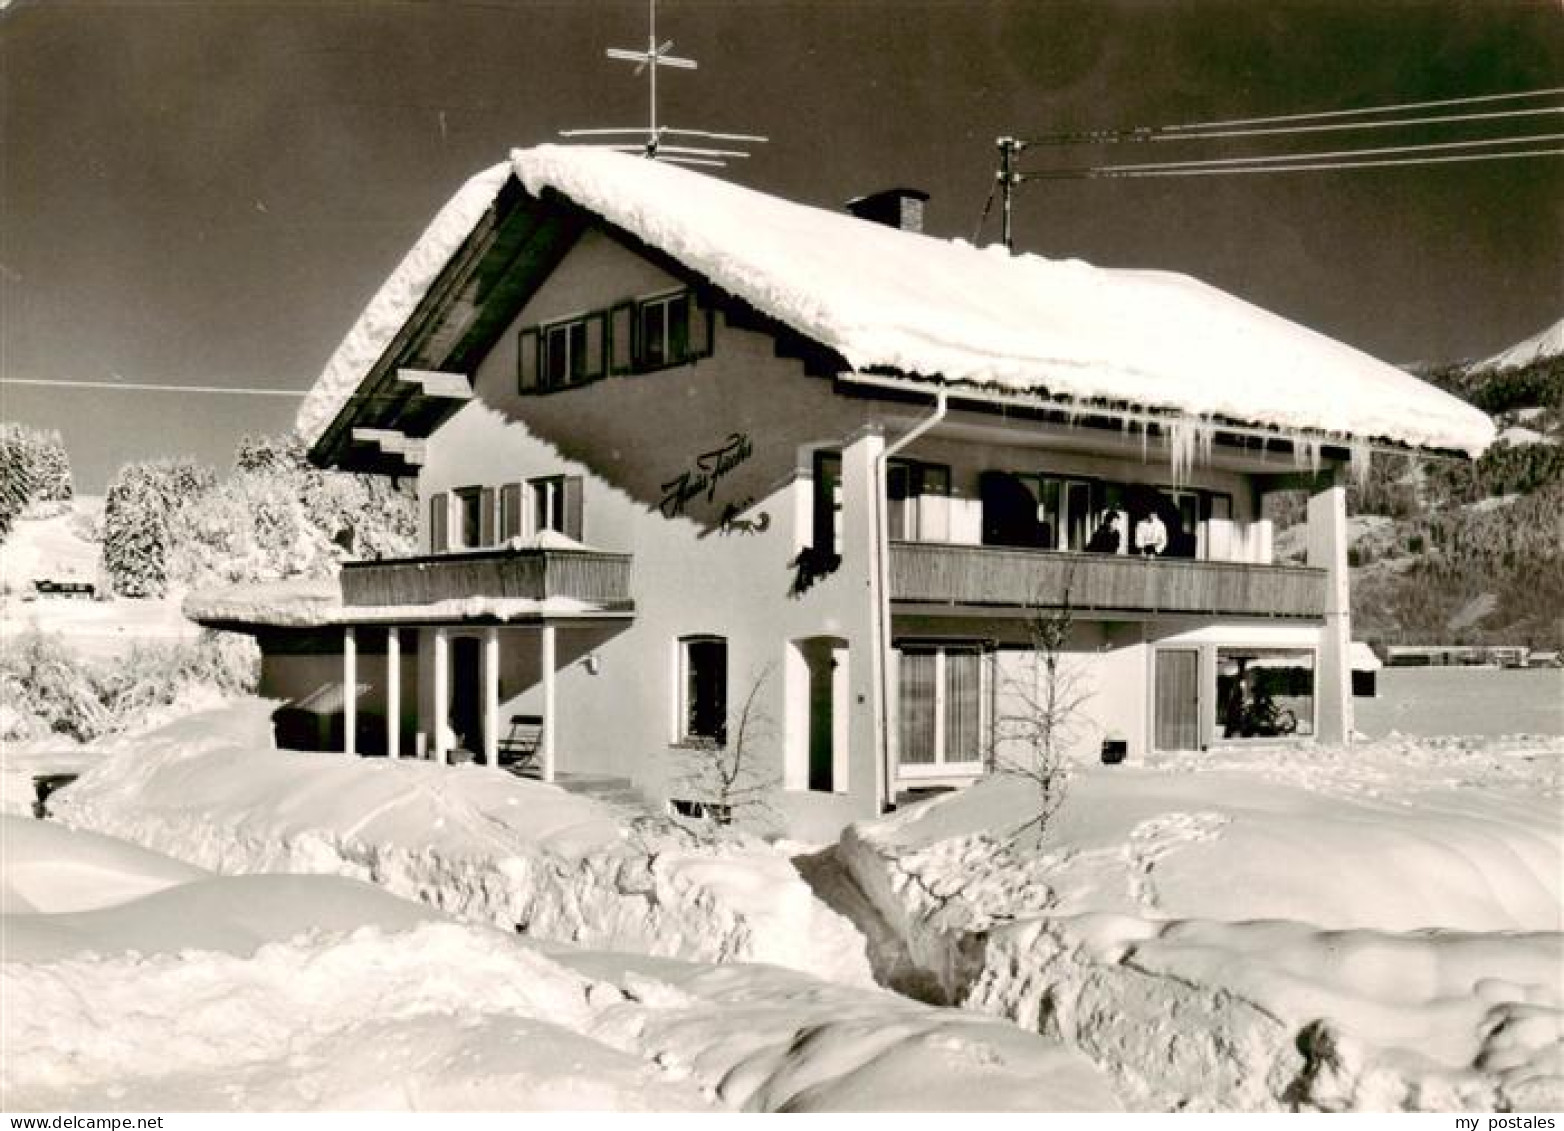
(585, 575)
(944, 574)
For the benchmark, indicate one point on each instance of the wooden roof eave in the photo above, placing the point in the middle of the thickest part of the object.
(485, 284)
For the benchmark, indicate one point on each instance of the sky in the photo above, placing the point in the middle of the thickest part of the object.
(208, 193)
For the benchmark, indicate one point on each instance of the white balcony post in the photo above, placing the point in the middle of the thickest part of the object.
(546, 739)
(442, 695)
(491, 696)
(349, 690)
(1328, 550)
(393, 692)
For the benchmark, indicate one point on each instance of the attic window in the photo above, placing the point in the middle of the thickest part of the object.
(638, 336)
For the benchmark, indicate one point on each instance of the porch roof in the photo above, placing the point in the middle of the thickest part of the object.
(940, 310)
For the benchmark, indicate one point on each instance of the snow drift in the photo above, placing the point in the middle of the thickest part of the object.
(526, 856)
(1375, 929)
(319, 992)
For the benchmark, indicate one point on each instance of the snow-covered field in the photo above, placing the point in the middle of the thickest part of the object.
(134, 982)
(57, 548)
(1380, 929)
(1467, 701)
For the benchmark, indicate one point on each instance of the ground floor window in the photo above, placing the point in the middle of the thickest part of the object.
(1264, 692)
(942, 704)
(703, 706)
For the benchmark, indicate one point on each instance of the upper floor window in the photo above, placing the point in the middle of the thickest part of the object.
(471, 518)
(470, 513)
(916, 495)
(632, 337)
(827, 502)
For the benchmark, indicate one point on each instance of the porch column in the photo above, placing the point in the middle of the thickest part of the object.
(546, 739)
(1328, 551)
(491, 696)
(442, 695)
(349, 690)
(393, 692)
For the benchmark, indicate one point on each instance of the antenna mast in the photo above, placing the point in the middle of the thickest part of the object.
(660, 55)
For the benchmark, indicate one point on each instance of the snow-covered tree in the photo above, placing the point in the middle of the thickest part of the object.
(139, 521)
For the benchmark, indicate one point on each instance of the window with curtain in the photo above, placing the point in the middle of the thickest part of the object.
(942, 711)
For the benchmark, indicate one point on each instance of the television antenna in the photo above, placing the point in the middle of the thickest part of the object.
(653, 134)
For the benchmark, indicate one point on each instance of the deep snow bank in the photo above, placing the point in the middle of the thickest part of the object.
(528, 857)
(1374, 929)
(318, 992)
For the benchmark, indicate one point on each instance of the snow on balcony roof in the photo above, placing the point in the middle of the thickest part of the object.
(943, 309)
(317, 603)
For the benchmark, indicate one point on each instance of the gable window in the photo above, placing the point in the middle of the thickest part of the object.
(637, 336)
(703, 690)
(560, 355)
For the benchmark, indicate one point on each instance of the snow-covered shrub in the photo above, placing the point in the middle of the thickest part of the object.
(45, 688)
(139, 521)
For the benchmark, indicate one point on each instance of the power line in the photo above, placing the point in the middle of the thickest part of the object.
(142, 387)
(1178, 169)
(1217, 163)
(1139, 132)
(1165, 133)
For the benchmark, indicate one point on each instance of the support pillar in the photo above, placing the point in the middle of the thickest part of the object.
(393, 692)
(1328, 551)
(442, 696)
(546, 739)
(491, 697)
(349, 690)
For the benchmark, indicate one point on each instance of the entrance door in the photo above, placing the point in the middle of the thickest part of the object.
(1176, 717)
(826, 657)
(466, 715)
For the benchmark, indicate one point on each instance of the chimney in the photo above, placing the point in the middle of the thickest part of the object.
(896, 207)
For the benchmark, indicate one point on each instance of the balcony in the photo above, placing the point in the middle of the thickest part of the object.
(930, 573)
(589, 576)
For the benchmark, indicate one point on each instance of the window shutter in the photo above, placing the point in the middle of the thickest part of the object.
(486, 517)
(439, 523)
(527, 360)
(596, 346)
(621, 338)
(573, 507)
(510, 511)
(702, 327)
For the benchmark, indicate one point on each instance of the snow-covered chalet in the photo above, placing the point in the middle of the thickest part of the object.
(683, 448)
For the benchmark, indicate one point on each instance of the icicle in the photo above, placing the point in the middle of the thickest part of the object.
(1190, 442)
(1362, 459)
(1306, 452)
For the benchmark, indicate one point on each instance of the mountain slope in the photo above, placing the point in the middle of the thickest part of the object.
(1473, 552)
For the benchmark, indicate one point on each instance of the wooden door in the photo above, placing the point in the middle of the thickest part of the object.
(1176, 714)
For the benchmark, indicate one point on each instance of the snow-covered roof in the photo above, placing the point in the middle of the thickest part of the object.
(922, 306)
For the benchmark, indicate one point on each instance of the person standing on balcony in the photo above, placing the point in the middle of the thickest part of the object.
(1107, 537)
(1151, 537)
